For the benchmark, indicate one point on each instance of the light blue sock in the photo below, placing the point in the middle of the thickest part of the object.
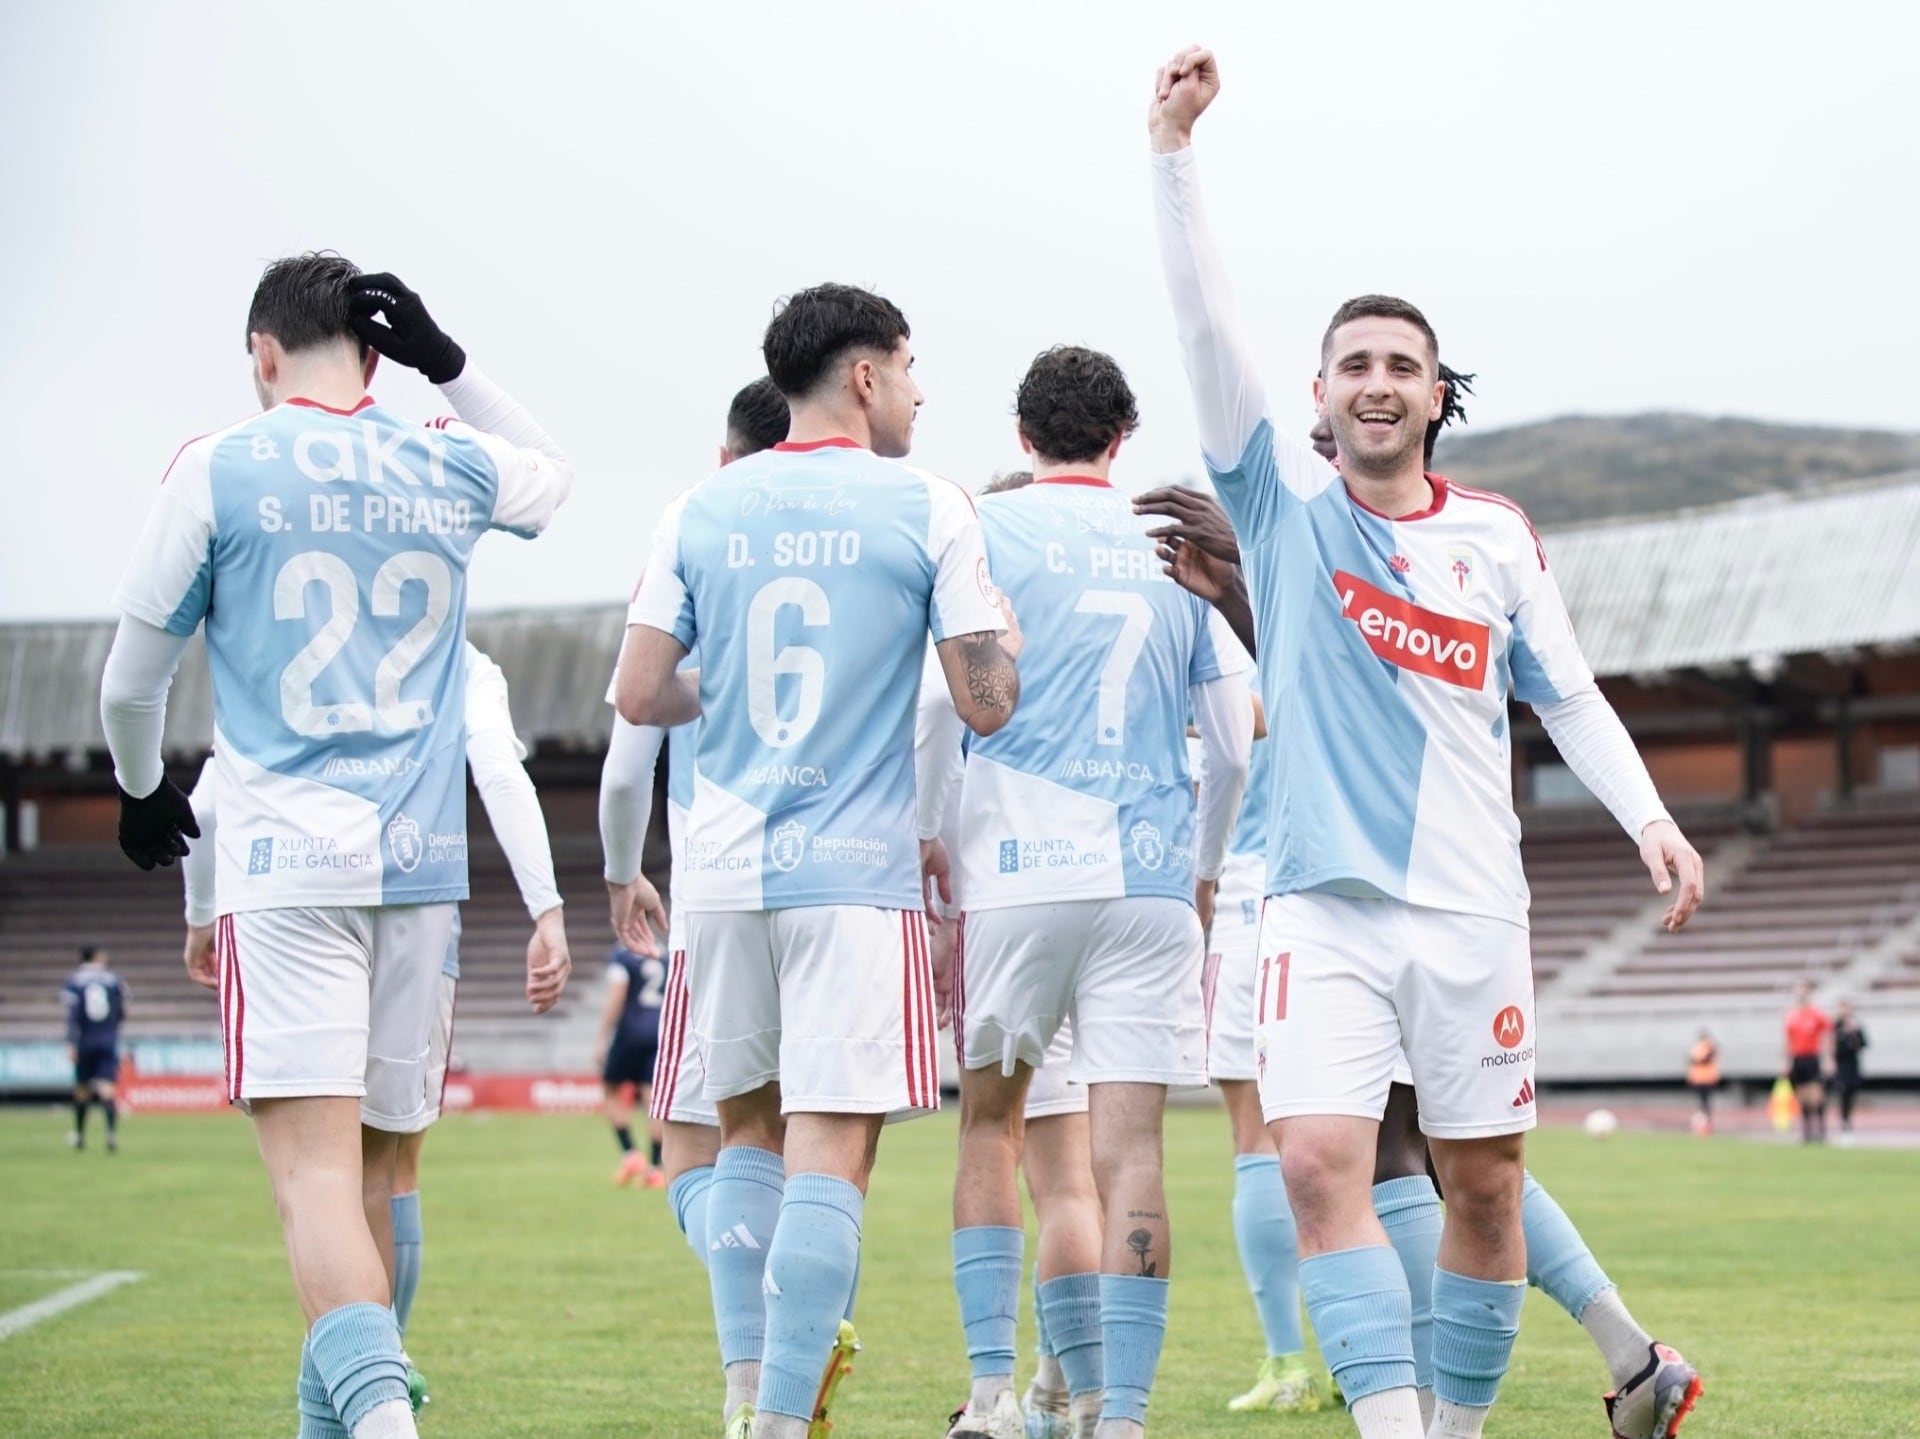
(1042, 1341)
(1474, 1323)
(688, 1196)
(810, 1267)
(408, 1239)
(1359, 1306)
(987, 1260)
(1133, 1325)
(356, 1352)
(853, 1291)
(1559, 1263)
(1072, 1305)
(1412, 1215)
(1264, 1232)
(317, 1419)
(743, 1206)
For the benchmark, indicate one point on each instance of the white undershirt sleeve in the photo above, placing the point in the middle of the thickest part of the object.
(133, 701)
(626, 797)
(937, 756)
(1597, 748)
(1223, 716)
(197, 869)
(513, 809)
(536, 477)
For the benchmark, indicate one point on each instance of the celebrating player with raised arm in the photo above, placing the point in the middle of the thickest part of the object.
(325, 544)
(809, 576)
(1080, 857)
(1396, 614)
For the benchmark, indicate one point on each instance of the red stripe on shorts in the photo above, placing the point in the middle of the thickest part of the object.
(909, 1007)
(239, 1014)
(929, 1026)
(666, 1058)
(225, 991)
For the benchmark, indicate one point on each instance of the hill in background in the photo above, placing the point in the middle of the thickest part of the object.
(1597, 467)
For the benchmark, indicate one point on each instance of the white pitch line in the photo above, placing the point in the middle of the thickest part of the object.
(61, 1300)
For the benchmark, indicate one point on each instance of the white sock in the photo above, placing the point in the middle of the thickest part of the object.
(1457, 1421)
(1426, 1407)
(986, 1390)
(1388, 1414)
(1050, 1379)
(1621, 1342)
(743, 1385)
(778, 1426)
(392, 1419)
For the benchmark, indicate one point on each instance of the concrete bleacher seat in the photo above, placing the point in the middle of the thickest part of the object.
(1810, 900)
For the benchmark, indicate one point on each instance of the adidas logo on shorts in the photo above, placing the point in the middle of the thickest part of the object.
(1525, 1097)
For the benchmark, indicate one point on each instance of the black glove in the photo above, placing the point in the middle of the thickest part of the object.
(409, 336)
(155, 830)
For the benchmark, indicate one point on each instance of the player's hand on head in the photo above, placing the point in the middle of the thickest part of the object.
(154, 830)
(548, 961)
(392, 319)
(201, 965)
(1677, 869)
(1198, 519)
(1182, 90)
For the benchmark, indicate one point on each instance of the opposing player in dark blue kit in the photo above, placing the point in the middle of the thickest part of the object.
(629, 1040)
(96, 1004)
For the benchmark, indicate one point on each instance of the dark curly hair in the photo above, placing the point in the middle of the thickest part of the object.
(757, 419)
(302, 301)
(1450, 407)
(1074, 403)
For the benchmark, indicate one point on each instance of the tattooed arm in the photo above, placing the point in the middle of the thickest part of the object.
(981, 675)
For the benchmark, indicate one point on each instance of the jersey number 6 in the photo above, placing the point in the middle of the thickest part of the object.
(765, 664)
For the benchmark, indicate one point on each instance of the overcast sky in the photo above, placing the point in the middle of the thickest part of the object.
(1602, 208)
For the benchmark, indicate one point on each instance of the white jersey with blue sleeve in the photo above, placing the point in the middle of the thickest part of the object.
(1085, 793)
(1389, 647)
(810, 576)
(327, 552)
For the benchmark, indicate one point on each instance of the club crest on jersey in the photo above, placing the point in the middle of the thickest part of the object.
(788, 847)
(1460, 566)
(403, 842)
(1147, 847)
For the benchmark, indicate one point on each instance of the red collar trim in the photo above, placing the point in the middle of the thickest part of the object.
(1439, 483)
(834, 442)
(1093, 481)
(306, 404)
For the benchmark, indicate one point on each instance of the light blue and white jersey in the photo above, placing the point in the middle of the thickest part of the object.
(1389, 648)
(1085, 793)
(327, 552)
(810, 576)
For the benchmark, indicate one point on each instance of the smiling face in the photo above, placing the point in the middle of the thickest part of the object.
(1380, 389)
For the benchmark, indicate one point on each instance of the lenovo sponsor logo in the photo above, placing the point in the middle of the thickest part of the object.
(1439, 646)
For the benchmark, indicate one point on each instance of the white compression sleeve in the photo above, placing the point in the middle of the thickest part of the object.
(1223, 716)
(197, 869)
(1597, 748)
(513, 809)
(937, 734)
(626, 797)
(133, 701)
(484, 405)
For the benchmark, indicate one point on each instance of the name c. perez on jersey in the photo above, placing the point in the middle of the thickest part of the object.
(1108, 562)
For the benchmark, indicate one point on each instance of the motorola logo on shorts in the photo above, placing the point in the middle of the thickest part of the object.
(1509, 1029)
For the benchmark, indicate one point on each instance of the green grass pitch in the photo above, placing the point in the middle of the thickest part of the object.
(554, 1304)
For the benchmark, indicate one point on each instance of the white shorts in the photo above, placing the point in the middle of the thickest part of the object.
(1125, 971)
(334, 1001)
(679, 1074)
(440, 1044)
(1232, 957)
(1052, 1092)
(1343, 984)
(834, 1001)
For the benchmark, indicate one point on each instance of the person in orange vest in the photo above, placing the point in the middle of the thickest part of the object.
(1703, 1077)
